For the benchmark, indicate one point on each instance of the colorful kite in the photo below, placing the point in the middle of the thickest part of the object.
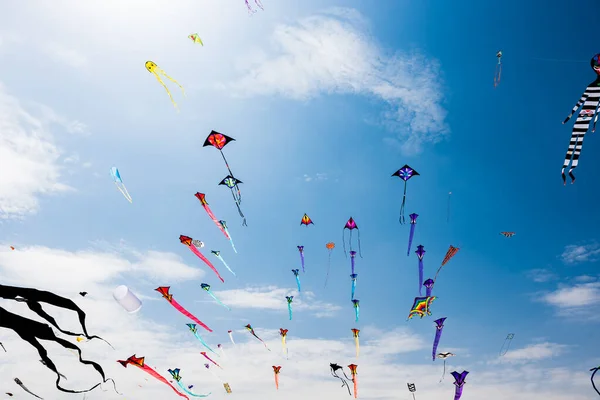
(592, 379)
(498, 73)
(194, 330)
(230, 333)
(33, 331)
(224, 225)
(355, 333)
(356, 304)
(175, 374)
(250, 10)
(404, 173)
(506, 344)
(449, 254)
(589, 100)
(420, 253)
(114, 172)
(421, 306)
(139, 362)
(283, 334)
(202, 198)
(507, 234)
(276, 370)
(232, 183)
(330, 246)
(210, 359)
(251, 330)
(353, 368)
(196, 38)
(227, 387)
(289, 299)
(334, 368)
(157, 71)
(217, 253)
(301, 250)
(459, 381)
(412, 389)
(18, 382)
(428, 287)
(164, 290)
(443, 356)
(206, 287)
(220, 347)
(350, 225)
(413, 223)
(296, 274)
(354, 277)
(439, 326)
(188, 241)
(306, 220)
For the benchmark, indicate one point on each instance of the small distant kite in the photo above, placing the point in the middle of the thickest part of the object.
(250, 10)
(194, 330)
(12, 248)
(356, 305)
(196, 38)
(18, 382)
(498, 73)
(283, 334)
(83, 294)
(306, 220)
(449, 254)
(355, 334)
(404, 173)
(506, 344)
(507, 234)
(251, 330)
(412, 389)
(290, 300)
(428, 286)
(296, 274)
(439, 326)
(421, 253)
(301, 250)
(206, 287)
(119, 183)
(330, 246)
(157, 71)
(276, 369)
(175, 375)
(350, 225)
(218, 255)
(443, 356)
(459, 382)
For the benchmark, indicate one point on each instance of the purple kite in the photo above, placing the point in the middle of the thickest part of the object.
(350, 225)
(420, 253)
(352, 258)
(301, 250)
(413, 223)
(353, 277)
(428, 286)
(439, 325)
(459, 381)
(404, 173)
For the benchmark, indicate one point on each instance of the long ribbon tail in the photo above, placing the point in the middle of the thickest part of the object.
(258, 3)
(420, 276)
(344, 240)
(401, 219)
(302, 261)
(3, 347)
(226, 266)
(218, 301)
(357, 346)
(210, 265)
(436, 342)
(356, 313)
(298, 283)
(458, 392)
(231, 241)
(238, 201)
(355, 380)
(123, 191)
(344, 382)
(444, 373)
(290, 310)
(183, 388)
(231, 337)
(353, 289)
(165, 86)
(162, 379)
(277, 381)
(352, 265)
(185, 312)
(18, 381)
(215, 220)
(173, 80)
(328, 268)
(266, 347)
(203, 342)
(410, 238)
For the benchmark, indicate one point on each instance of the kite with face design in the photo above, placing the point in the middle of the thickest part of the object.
(297, 275)
(590, 99)
(157, 71)
(232, 183)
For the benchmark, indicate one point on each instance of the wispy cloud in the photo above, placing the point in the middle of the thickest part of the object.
(541, 275)
(574, 254)
(319, 176)
(532, 353)
(334, 53)
(568, 298)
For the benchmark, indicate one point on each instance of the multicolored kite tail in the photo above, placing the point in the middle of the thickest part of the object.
(202, 198)
(218, 255)
(139, 362)
(206, 287)
(439, 325)
(289, 299)
(334, 368)
(175, 374)
(355, 333)
(413, 224)
(350, 225)
(459, 382)
(188, 241)
(194, 330)
(301, 250)
(420, 253)
(356, 304)
(224, 225)
(164, 291)
(251, 330)
(296, 274)
(354, 373)
(404, 173)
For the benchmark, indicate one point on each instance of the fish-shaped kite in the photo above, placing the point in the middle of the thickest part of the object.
(196, 39)
(506, 344)
(459, 382)
(420, 253)
(507, 234)
(164, 291)
(202, 198)
(421, 306)
(276, 370)
(334, 368)
(413, 224)
(18, 382)
(210, 359)
(140, 363)
(283, 334)
(116, 175)
(355, 333)
(354, 277)
(175, 374)
(206, 287)
(188, 241)
(351, 225)
(224, 225)
(251, 330)
(218, 255)
(443, 356)
(330, 246)
(439, 325)
(289, 299)
(296, 274)
(449, 254)
(404, 173)
(428, 287)
(157, 71)
(354, 373)
(194, 330)
(356, 304)
(301, 250)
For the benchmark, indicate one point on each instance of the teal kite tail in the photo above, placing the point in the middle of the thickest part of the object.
(182, 387)
(290, 311)
(204, 343)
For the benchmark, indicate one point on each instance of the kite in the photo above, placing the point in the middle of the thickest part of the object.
(353, 368)
(175, 374)
(119, 183)
(421, 306)
(355, 333)
(413, 223)
(356, 304)
(157, 71)
(232, 183)
(196, 39)
(227, 387)
(127, 299)
(188, 241)
(164, 290)
(459, 381)
(404, 173)
(202, 198)
(439, 325)
(83, 294)
(18, 382)
(231, 336)
(507, 234)
(206, 287)
(350, 225)
(420, 253)
(334, 368)
(296, 274)
(289, 299)
(301, 250)
(251, 330)
(12, 248)
(353, 277)
(224, 225)
(352, 260)
(428, 287)
(449, 254)
(218, 254)
(210, 359)
(283, 334)
(589, 100)
(412, 389)
(194, 330)
(32, 331)
(592, 379)
(443, 356)
(139, 362)
(250, 10)
(276, 370)
(222, 350)
(506, 344)
(330, 246)
(9, 394)
(306, 220)
(498, 73)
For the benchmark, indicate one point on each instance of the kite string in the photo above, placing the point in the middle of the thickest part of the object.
(359, 251)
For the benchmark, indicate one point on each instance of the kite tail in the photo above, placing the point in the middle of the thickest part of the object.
(298, 283)
(359, 251)
(458, 392)
(592, 379)
(18, 382)
(277, 381)
(344, 382)
(352, 264)
(410, 238)
(183, 388)
(444, 373)
(219, 301)
(231, 337)
(166, 88)
(421, 279)
(436, 342)
(355, 380)
(353, 289)
(356, 341)
(250, 10)
(185, 312)
(328, 268)
(357, 313)
(172, 80)
(290, 310)
(124, 192)
(266, 347)
(203, 342)
(302, 261)
(206, 261)
(226, 266)
(401, 219)
(215, 220)
(244, 223)
(1, 345)
(344, 241)
(258, 3)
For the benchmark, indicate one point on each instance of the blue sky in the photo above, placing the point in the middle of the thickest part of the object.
(325, 104)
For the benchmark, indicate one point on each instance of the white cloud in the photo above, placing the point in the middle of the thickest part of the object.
(541, 275)
(574, 254)
(531, 353)
(319, 176)
(65, 55)
(28, 159)
(334, 53)
(576, 296)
